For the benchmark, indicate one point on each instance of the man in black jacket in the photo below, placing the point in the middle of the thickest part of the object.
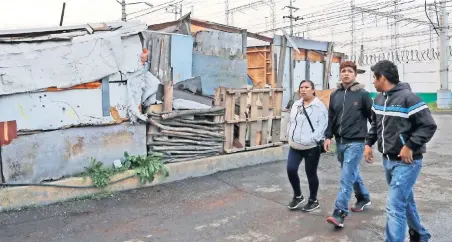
(402, 124)
(349, 111)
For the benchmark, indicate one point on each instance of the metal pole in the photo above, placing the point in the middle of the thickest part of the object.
(123, 8)
(62, 14)
(444, 94)
(444, 44)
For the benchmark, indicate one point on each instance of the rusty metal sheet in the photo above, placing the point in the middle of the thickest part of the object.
(8, 132)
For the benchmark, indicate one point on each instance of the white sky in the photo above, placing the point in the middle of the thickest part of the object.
(327, 20)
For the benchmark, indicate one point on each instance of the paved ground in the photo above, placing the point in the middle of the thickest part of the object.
(242, 205)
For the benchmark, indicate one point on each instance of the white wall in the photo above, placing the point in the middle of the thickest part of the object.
(422, 77)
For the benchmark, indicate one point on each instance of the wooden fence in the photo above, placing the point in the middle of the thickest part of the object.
(186, 134)
(252, 117)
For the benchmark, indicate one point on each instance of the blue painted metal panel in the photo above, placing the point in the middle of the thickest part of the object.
(219, 71)
(286, 75)
(181, 57)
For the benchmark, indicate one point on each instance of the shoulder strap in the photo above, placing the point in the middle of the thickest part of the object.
(307, 117)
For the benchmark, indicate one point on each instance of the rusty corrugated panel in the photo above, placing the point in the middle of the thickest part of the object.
(8, 132)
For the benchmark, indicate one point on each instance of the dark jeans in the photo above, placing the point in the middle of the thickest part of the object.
(311, 158)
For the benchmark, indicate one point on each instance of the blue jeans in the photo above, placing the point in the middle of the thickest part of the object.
(350, 155)
(400, 206)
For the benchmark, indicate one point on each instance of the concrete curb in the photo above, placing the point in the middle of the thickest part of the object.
(19, 197)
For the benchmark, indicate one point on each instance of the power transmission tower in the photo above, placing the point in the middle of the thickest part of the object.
(175, 9)
(291, 17)
(244, 7)
(395, 30)
(352, 5)
(444, 98)
(272, 6)
(226, 11)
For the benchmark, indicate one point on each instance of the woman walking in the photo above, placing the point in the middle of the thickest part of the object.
(307, 124)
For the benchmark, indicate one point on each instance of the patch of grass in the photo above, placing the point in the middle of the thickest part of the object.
(146, 167)
(99, 174)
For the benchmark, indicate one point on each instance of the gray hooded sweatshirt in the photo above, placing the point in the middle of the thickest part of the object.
(299, 132)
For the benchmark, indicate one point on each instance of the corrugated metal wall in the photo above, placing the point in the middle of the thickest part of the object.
(219, 60)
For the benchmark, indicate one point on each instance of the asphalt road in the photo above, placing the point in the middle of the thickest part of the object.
(242, 205)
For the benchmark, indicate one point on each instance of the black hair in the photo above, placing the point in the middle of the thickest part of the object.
(308, 81)
(388, 69)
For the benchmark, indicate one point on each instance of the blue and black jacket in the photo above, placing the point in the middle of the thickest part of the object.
(400, 117)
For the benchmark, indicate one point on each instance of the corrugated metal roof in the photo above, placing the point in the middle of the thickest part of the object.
(67, 32)
(210, 25)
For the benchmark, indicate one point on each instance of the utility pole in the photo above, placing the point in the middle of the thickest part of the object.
(444, 98)
(62, 14)
(291, 17)
(123, 7)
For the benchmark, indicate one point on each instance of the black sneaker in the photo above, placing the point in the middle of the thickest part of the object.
(414, 236)
(361, 204)
(337, 219)
(311, 205)
(296, 202)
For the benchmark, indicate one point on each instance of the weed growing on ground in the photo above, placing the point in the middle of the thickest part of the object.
(146, 167)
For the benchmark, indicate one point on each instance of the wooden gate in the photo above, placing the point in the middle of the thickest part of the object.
(252, 117)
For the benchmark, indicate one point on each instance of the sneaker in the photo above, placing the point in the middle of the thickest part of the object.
(296, 202)
(337, 219)
(311, 205)
(415, 236)
(361, 204)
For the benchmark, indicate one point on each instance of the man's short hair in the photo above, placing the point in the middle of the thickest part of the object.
(350, 64)
(388, 69)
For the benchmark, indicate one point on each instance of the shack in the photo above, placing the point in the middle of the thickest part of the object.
(304, 60)
(219, 54)
(68, 94)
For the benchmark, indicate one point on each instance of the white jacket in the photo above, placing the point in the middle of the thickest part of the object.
(299, 133)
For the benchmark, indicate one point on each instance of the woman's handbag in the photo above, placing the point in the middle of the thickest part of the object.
(321, 142)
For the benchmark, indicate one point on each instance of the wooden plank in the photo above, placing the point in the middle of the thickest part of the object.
(259, 90)
(236, 121)
(257, 147)
(282, 60)
(324, 96)
(277, 108)
(254, 124)
(243, 125)
(265, 113)
(168, 97)
(229, 115)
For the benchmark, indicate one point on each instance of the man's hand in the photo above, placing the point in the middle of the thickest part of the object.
(368, 154)
(327, 145)
(406, 154)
